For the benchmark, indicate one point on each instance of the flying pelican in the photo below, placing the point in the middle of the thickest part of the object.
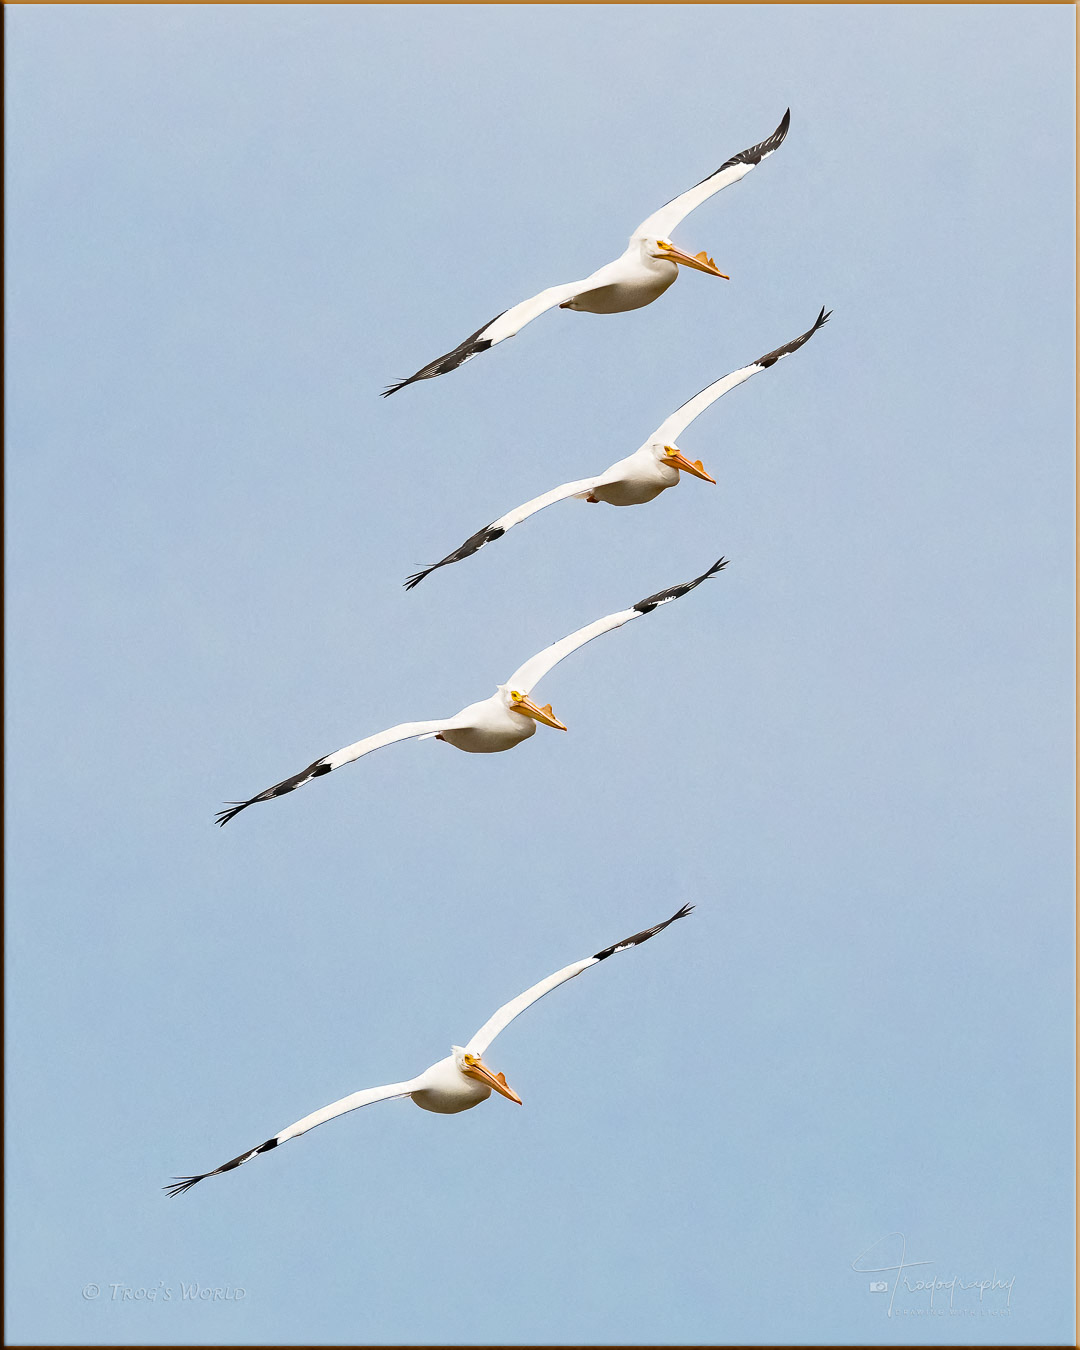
(648, 267)
(638, 478)
(500, 722)
(457, 1083)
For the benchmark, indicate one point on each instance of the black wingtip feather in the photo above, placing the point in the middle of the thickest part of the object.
(442, 365)
(650, 602)
(771, 358)
(181, 1185)
(756, 153)
(229, 810)
(315, 769)
(473, 544)
(643, 936)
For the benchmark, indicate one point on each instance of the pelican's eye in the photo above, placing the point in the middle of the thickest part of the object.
(671, 450)
(663, 243)
(515, 696)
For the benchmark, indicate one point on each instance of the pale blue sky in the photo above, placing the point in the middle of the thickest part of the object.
(228, 228)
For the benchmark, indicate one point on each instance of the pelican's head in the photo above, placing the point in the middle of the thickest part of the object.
(674, 457)
(700, 262)
(472, 1066)
(521, 703)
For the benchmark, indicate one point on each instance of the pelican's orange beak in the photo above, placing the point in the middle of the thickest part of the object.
(675, 456)
(480, 1071)
(523, 704)
(700, 262)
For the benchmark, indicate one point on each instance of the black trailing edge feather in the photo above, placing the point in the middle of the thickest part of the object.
(757, 153)
(181, 1184)
(638, 937)
(442, 365)
(471, 545)
(314, 770)
(771, 358)
(650, 602)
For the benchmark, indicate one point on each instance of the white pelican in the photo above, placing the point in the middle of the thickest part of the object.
(643, 272)
(638, 478)
(500, 722)
(457, 1083)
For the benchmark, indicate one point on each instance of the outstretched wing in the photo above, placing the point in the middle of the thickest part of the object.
(500, 328)
(506, 1014)
(661, 223)
(365, 1098)
(328, 763)
(498, 528)
(536, 667)
(672, 428)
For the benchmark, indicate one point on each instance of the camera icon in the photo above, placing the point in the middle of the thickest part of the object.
(879, 1286)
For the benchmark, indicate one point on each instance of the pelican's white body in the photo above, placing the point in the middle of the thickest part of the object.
(634, 280)
(488, 726)
(445, 1090)
(637, 479)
